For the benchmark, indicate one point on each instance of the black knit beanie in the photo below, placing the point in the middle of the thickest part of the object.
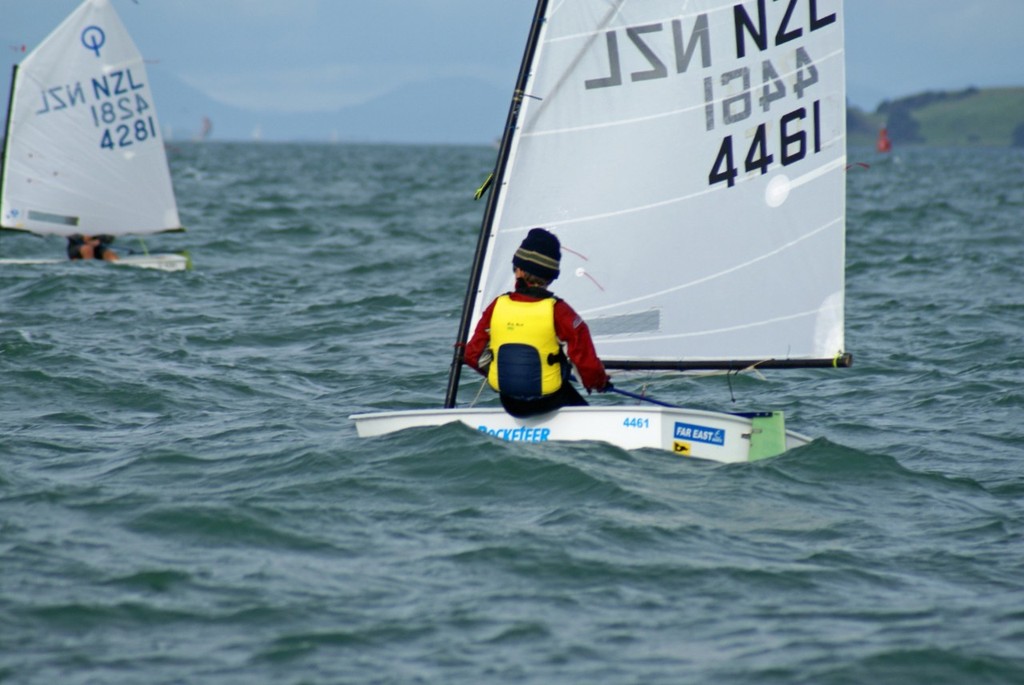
(539, 254)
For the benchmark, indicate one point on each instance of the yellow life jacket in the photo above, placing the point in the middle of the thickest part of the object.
(527, 355)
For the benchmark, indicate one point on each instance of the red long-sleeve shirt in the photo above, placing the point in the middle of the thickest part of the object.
(570, 328)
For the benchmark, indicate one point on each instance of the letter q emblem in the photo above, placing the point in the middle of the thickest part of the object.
(93, 38)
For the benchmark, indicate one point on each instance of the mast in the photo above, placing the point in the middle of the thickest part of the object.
(492, 202)
(7, 135)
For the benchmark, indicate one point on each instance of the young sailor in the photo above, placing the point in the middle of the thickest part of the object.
(528, 340)
(91, 247)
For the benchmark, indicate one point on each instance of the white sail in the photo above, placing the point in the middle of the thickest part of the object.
(84, 152)
(690, 155)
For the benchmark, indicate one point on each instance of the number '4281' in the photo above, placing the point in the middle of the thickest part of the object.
(125, 135)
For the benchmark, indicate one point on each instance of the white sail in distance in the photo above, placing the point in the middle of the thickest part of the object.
(84, 150)
(690, 155)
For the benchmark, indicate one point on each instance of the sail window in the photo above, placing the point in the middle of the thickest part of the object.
(52, 218)
(624, 324)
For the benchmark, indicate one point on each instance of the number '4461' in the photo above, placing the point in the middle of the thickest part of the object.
(791, 144)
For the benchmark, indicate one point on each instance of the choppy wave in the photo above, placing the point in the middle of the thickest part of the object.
(183, 499)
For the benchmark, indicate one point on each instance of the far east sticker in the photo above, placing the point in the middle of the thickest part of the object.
(691, 431)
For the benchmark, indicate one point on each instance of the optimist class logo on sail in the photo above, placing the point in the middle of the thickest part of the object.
(756, 73)
(94, 38)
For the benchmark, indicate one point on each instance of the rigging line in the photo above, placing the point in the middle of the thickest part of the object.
(479, 392)
(750, 369)
(642, 398)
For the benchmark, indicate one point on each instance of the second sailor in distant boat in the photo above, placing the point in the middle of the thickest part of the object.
(91, 247)
(527, 341)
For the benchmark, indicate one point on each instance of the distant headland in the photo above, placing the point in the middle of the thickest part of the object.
(973, 117)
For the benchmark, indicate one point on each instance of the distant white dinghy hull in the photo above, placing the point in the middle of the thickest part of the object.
(694, 433)
(158, 261)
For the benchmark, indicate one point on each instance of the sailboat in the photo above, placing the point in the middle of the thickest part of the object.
(691, 157)
(83, 151)
(205, 129)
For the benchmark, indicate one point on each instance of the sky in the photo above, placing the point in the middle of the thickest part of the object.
(322, 55)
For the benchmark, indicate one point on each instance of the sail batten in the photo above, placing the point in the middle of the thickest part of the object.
(84, 150)
(691, 158)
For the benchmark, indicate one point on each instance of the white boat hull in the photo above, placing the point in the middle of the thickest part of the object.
(161, 262)
(686, 432)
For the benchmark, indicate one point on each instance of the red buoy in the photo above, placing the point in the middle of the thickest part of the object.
(883, 144)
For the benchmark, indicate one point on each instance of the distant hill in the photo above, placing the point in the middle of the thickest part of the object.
(451, 111)
(465, 111)
(992, 117)
(468, 111)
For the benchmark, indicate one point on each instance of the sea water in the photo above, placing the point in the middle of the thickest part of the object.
(183, 498)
